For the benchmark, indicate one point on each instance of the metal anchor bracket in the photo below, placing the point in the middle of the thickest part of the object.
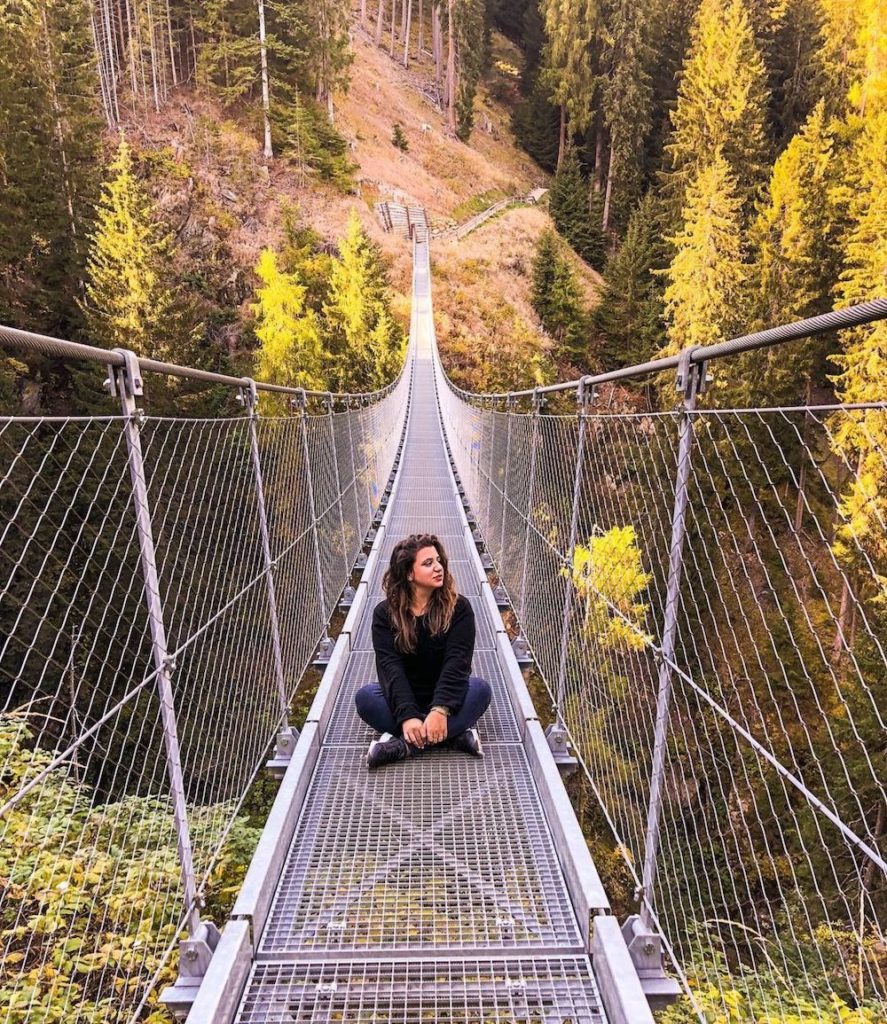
(645, 950)
(284, 746)
(557, 743)
(692, 379)
(194, 958)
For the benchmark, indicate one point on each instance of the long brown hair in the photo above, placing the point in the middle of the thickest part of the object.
(397, 588)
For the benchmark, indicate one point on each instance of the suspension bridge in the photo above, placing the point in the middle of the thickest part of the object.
(714, 656)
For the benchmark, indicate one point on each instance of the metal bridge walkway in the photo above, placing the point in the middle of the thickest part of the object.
(444, 888)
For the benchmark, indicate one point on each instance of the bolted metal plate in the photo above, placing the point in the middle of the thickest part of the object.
(559, 990)
(439, 851)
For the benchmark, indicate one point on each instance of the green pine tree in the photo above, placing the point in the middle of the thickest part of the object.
(365, 345)
(568, 73)
(707, 276)
(794, 239)
(795, 232)
(558, 300)
(576, 211)
(628, 318)
(722, 101)
(50, 133)
(535, 121)
(128, 303)
(626, 99)
(862, 361)
(290, 350)
(470, 27)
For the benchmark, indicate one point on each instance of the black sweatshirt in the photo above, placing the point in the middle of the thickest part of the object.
(435, 674)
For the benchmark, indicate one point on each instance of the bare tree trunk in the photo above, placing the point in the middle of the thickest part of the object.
(193, 46)
(266, 93)
(154, 82)
(408, 25)
(605, 219)
(380, 14)
(599, 158)
(131, 46)
(802, 475)
(363, 14)
(109, 57)
(103, 90)
(562, 139)
(451, 69)
(393, 23)
(172, 49)
(421, 41)
(436, 44)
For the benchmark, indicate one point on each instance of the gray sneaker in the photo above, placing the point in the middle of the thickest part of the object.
(386, 750)
(467, 742)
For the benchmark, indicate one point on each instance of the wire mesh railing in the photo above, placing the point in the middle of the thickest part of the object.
(166, 583)
(704, 594)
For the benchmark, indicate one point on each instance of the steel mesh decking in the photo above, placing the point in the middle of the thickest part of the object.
(439, 856)
(518, 991)
(442, 850)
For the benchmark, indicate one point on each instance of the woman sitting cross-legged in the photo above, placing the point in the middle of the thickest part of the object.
(423, 636)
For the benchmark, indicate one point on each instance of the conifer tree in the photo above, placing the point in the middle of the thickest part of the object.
(287, 330)
(331, 53)
(470, 26)
(558, 300)
(570, 26)
(707, 276)
(364, 343)
(862, 438)
(797, 67)
(668, 28)
(794, 234)
(796, 260)
(49, 143)
(721, 103)
(128, 304)
(629, 315)
(576, 212)
(535, 123)
(627, 94)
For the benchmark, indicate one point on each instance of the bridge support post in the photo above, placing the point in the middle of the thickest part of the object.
(326, 645)
(691, 381)
(557, 733)
(354, 480)
(489, 508)
(346, 568)
(509, 402)
(125, 382)
(520, 645)
(286, 738)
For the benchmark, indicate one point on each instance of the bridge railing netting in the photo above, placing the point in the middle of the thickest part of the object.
(134, 719)
(759, 850)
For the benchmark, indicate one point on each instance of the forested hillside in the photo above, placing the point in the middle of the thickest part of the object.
(723, 163)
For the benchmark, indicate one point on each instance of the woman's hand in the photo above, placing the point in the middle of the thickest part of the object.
(435, 727)
(414, 732)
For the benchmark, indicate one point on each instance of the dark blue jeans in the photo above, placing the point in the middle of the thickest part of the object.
(374, 710)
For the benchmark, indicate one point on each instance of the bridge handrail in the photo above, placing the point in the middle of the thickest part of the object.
(838, 319)
(27, 341)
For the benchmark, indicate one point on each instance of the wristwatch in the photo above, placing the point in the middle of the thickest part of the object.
(444, 711)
